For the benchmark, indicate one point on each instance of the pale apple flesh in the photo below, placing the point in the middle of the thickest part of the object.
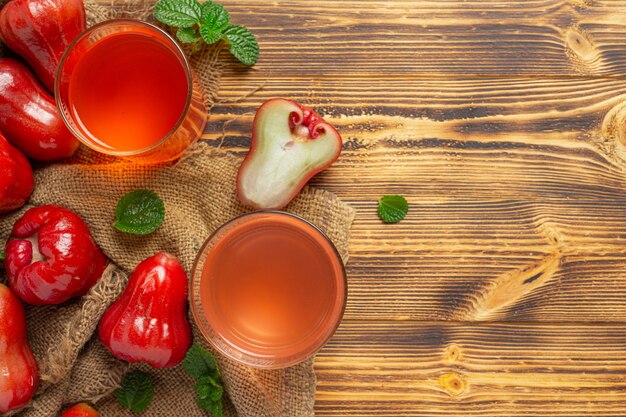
(290, 144)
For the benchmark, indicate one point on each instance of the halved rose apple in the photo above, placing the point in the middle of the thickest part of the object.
(290, 144)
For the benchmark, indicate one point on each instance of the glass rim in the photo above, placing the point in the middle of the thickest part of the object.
(241, 356)
(89, 142)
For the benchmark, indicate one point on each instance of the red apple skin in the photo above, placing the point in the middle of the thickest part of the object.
(41, 30)
(81, 410)
(52, 257)
(19, 378)
(148, 322)
(16, 177)
(29, 116)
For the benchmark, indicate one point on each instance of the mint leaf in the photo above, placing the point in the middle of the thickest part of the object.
(187, 35)
(215, 19)
(199, 362)
(206, 8)
(209, 35)
(136, 392)
(1, 255)
(209, 389)
(178, 13)
(215, 16)
(242, 44)
(392, 208)
(210, 394)
(139, 212)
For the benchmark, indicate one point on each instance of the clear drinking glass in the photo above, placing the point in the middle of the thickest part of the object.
(268, 289)
(178, 133)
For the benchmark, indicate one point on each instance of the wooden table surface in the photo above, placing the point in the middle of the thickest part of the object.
(503, 292)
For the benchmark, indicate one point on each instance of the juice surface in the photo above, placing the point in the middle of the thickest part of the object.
(272, 285)
(128, 91)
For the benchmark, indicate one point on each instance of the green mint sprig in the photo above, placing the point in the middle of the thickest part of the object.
(392, 208)
(1, 255)
(136, 392)
(200, 364)
(139, 212)
(209, 22)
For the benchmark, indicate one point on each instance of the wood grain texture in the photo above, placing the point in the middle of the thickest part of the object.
(372, 112)
(437, 37)
(419, 369)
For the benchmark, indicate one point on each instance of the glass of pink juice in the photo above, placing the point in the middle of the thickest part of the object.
(268, 289)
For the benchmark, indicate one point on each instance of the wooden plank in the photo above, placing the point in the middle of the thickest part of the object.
(375, 112)
(436, 37)
(483, 285)
(506, 178)
(419, 369)
(448, 261)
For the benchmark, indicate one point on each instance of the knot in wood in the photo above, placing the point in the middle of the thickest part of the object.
(581, 51)
(614, 124)
(452, 353)
(453, 383)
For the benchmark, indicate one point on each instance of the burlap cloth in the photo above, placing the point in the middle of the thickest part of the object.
(199, 196)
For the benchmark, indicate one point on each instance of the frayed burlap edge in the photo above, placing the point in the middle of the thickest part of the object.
(61, 358)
